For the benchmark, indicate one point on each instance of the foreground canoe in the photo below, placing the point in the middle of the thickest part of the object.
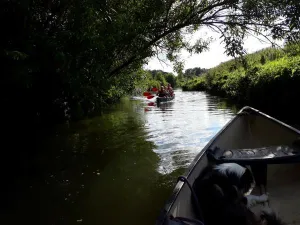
(164, 99)
(270, 147)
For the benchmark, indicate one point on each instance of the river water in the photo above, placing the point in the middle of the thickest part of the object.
(118, 168)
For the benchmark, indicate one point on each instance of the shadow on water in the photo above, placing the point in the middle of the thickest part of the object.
(97, 171)
(287, 114)
(119, 168)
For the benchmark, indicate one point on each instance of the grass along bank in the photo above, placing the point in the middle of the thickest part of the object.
(267, 77)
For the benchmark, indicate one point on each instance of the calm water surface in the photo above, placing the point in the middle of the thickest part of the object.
(118, 168)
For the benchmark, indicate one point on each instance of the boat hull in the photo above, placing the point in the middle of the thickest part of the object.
(250, 128)
(164, 99)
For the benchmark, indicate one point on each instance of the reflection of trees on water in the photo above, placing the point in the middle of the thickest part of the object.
(165, 106)
(94, 169)
(287, 116)
(215, 103)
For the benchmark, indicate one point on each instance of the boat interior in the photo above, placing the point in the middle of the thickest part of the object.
(281, 180)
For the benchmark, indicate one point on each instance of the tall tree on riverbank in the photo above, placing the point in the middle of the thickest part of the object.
(197, 71)
(70, 57)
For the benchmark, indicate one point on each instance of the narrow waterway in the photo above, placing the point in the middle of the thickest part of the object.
(118, 168)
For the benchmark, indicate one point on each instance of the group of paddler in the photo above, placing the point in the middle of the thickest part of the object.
(164, 91)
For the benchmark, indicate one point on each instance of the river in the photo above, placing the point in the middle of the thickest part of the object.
(118, 168)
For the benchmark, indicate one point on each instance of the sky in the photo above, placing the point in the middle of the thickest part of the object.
(211, 58)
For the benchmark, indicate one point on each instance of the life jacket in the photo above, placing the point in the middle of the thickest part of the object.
(170, 90)
(161, 93)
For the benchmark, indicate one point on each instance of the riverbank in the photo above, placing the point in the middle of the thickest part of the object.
(270, 77)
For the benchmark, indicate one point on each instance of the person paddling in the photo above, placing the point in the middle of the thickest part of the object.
(170, 90)
(161, 92)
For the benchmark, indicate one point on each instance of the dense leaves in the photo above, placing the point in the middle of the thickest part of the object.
(197, 71)
(68, 58)
(163, 77)
(152, 78)
(273, 81)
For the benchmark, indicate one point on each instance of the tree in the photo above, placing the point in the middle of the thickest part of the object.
(171, 79)
(164, 77)
(62, 57)
(233, 19)
(197, 71)
(262, 60)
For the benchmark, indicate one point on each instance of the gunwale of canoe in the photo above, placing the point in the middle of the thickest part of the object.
(254, 131)
(163, 99)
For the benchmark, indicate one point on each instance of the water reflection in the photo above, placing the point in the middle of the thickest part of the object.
(181, 128)
(166, 106)
(118, 168)
(97, 171)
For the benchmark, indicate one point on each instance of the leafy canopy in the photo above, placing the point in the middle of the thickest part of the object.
(66, 56)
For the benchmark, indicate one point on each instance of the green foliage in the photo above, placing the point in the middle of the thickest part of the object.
(274, 80)
(171, 79)
(152, 78)
(145, 81)
(197, 71)
(67, 59)
(292, 49)
(163, 77)
(194, 84)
